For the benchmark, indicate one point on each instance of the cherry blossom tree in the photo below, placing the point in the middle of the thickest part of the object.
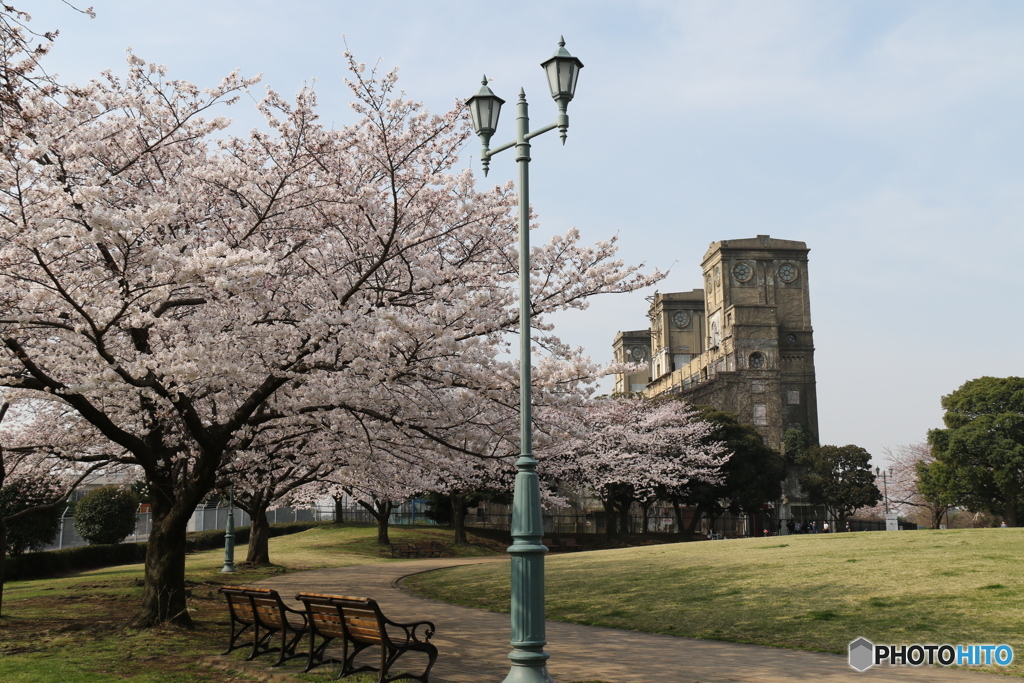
(907, 489)
(178, 292)
(378, 484)
(459, 478)
(391, 466)
(373, 463)
(270, 465)
(628, 448)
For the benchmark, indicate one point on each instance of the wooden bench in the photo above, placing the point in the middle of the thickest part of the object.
(409, 550)
(362, 626)
(262, 610)
(432, 550)
(325, 621)
(242, 614)
(403, 550)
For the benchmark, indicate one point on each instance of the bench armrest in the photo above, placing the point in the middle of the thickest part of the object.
(301, 613)
(410, 630)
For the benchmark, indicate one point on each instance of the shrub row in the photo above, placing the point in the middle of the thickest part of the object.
(52, 562)
(46, 564)
(208, 540)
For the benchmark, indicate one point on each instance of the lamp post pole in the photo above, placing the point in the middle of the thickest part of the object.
(229, 535)
(885, 487)
(529, 660)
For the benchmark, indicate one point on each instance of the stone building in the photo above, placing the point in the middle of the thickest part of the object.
(744, 343)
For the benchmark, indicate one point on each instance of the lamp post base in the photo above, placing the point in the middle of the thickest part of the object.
(528, 674)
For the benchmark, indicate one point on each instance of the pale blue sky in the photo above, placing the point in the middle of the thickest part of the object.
(887, 135)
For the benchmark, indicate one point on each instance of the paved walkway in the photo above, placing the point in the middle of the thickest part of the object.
(473, 643)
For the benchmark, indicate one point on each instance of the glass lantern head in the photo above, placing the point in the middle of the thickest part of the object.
(562, 70)
(485, 107)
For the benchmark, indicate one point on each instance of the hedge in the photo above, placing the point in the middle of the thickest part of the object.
(208, 540)
(53, 562)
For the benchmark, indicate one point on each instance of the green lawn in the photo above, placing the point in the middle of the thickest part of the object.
(815, 592)
(71, 629)
(811, 592)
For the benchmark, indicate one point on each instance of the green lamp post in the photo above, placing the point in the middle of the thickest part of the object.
(229, 535)
(529, 660)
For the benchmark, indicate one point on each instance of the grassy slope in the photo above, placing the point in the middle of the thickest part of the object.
(814, 592)
(71, 629)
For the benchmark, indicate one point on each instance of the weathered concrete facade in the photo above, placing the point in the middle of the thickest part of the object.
(743, 344)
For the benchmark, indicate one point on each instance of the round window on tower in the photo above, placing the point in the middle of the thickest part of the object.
(788, 272)
(681, 319)
(756, 360)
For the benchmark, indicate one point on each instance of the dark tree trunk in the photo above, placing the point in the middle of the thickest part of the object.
(624, 518)
(645, 510)
(694, 521)
(609, 518)
(678, 510)
(1010, 513)
(164, 600)
(383, 517)
(459, 518)
(381, 511)
(259, 535)
(339, 510)
(710, 512)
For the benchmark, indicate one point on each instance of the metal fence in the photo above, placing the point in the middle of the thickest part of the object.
(67, 537)
(595, 522)
(663, 520)
(215, 518)
(659, 520)
(410, 512)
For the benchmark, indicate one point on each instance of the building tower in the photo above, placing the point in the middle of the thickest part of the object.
(744, 343)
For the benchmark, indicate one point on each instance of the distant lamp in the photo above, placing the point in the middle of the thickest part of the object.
(563, 70)
(485, 107)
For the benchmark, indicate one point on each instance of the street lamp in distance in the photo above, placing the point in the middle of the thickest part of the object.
(885, 485)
